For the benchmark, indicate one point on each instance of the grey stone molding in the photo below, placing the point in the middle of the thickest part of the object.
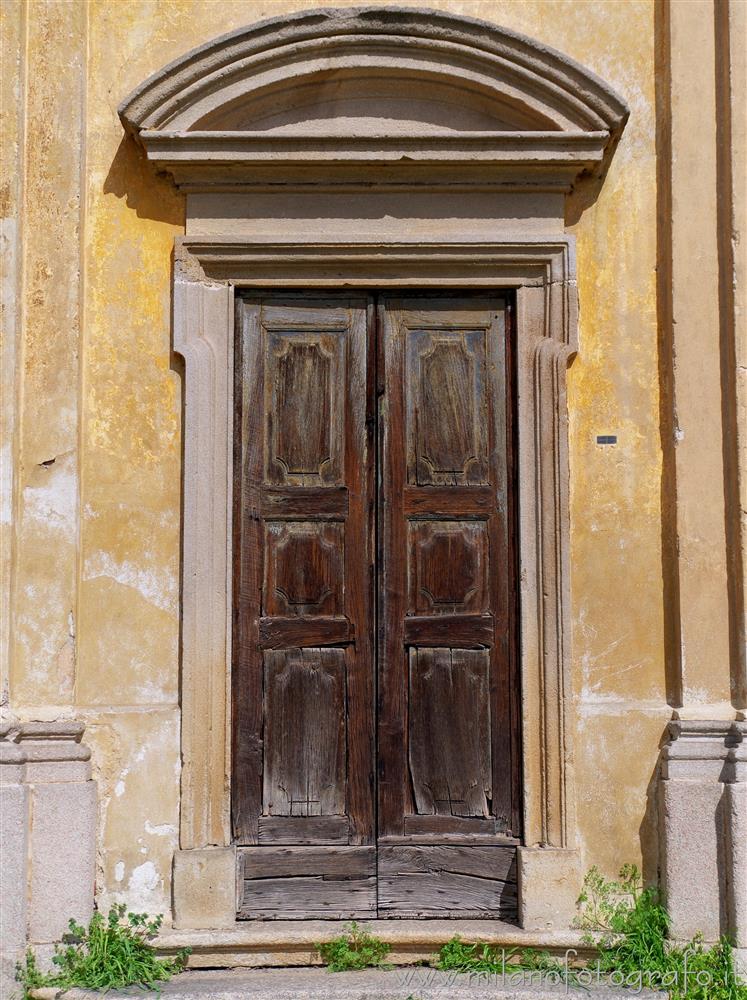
(480, 100)
(48, 836)
(704, 818)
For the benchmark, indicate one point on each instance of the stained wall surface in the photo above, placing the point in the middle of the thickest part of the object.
(92, 417)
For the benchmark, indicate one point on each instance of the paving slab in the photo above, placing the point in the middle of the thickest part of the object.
(320, 984)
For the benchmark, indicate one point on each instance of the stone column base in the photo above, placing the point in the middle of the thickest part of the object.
(204, 888)
(48, 833)
(703, 802)
(549, 884)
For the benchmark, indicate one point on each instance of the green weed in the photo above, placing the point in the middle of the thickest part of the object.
(356, 949)
(110, 953)
(629, 925)
(633, 925)
(458, 956)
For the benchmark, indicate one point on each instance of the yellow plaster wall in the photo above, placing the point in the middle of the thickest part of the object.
(115, 559)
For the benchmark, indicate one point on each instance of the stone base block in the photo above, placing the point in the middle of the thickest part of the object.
(47, 831)
(694, 894)
(549, 885)
(735, 817)
(703, 801)
(14, 824)
(63, 857)
(204, 888)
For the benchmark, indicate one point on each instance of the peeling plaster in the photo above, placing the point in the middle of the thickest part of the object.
(158, 587)
(54, 504)
(142, 885)
(160, 829)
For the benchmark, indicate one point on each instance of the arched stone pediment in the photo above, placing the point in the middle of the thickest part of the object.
(374, 85)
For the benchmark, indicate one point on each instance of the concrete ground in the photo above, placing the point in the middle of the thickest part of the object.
(319, 984)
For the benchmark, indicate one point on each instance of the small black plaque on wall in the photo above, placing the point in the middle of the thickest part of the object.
(606, 438)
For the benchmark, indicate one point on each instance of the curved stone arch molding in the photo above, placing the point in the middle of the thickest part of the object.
(482, 96)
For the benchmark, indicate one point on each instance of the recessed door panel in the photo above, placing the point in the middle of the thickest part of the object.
(304, 415)
(304, 771)
(446, 406)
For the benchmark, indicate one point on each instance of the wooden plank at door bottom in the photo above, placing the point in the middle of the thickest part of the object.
(307, 883)
(448, 881)
(336, 862)
(307, 898)
(303, 830)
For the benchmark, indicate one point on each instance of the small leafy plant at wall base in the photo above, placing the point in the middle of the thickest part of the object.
(458, 956)
(633, 925)
(356, 949)
(110, 953)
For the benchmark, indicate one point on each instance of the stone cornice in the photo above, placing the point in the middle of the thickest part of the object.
(38, 742)
(507, 108)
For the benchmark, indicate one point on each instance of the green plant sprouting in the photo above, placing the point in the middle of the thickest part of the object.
(627, 925)
(355, 949)
(110, 953)
(458, 956)
(631, 925)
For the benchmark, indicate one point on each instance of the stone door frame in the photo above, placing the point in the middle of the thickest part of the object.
(543, 274)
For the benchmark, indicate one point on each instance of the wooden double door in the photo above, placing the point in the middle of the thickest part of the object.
(375, 720)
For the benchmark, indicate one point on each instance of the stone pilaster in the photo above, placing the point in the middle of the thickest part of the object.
(704, 819)
(48, 828)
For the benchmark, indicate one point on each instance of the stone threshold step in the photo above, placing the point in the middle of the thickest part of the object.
(258, 944)
(319, 984)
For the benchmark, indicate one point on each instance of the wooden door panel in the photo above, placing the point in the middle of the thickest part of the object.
(445, 381)
(447, 567)
(447, 726)
(304, 568)
(449, 731)
(305, 732)
(303, 664)
(303, 409)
